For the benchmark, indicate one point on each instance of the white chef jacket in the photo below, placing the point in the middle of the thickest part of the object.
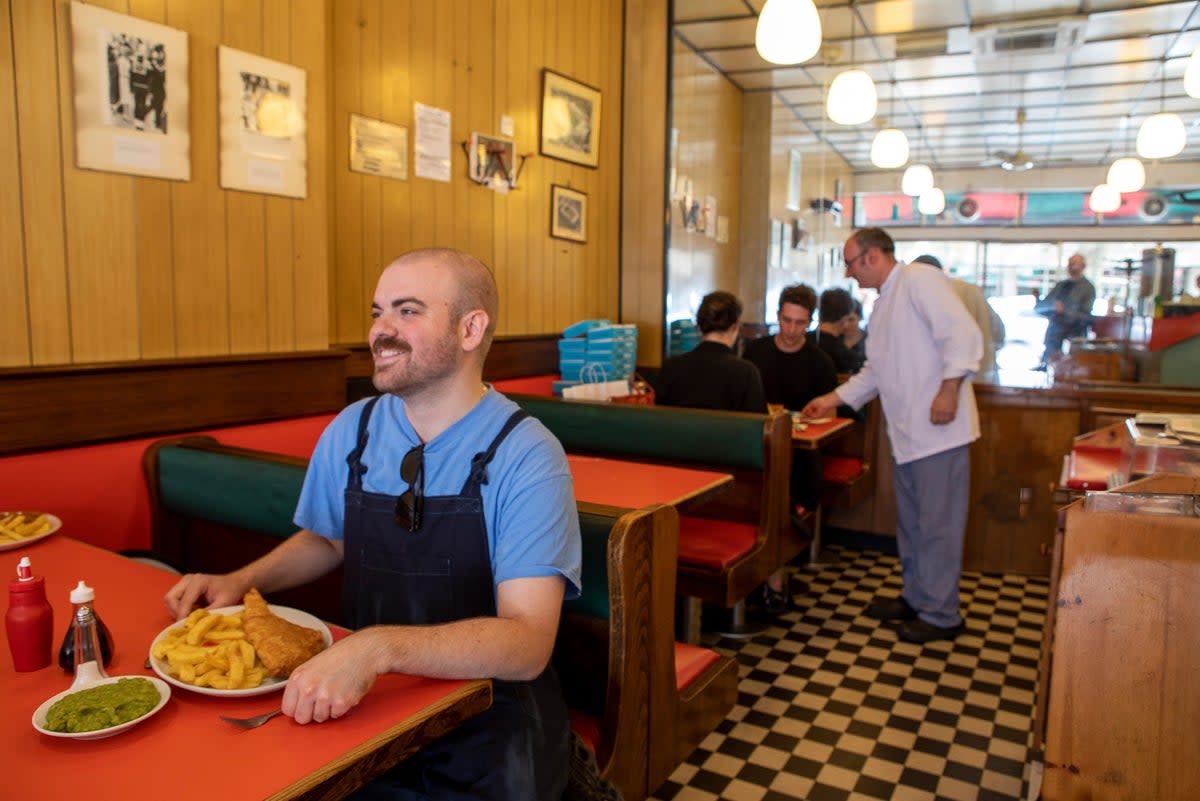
(920, 334)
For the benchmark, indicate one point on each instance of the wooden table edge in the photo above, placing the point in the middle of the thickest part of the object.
(701, 494)
(356, 767)
(812, 443)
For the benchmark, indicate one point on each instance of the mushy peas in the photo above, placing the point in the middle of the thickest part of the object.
(102, 706)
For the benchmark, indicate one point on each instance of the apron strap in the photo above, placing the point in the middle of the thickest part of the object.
(357, 468)
(479, 461)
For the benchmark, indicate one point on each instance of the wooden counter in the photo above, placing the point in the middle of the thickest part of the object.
(1016, 464)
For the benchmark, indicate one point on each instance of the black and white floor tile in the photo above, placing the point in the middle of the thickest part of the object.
(832, 706)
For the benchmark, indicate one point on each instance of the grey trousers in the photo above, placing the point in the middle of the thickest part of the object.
(931, 517)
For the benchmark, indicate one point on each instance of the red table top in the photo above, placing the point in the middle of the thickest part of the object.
(183, 752)
(812, 435)
(615, 482)
(1090, 468)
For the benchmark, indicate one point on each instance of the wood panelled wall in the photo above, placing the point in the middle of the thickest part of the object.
(643, 233)
(706, 110)
(100, 267)
(478, 59)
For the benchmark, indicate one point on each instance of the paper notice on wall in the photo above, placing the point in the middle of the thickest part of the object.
(378, 148)
(431, 151)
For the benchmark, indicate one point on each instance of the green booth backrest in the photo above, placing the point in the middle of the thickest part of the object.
(683, 435)
(245, 493)
(262, 496)
(593, 530)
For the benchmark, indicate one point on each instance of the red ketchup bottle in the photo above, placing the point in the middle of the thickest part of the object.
(29, 620)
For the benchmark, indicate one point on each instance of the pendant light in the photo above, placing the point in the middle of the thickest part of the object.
(1191, 75)
(1162, 135)
(788, 32)
(1127, 174)
(852, 99)
(1104, 199)
(918, 177)
(932, 201)
(890, 147)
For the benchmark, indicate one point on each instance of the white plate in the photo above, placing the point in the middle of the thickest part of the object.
(816, 421)
(55, 525)
(39, 714)
(270, 684)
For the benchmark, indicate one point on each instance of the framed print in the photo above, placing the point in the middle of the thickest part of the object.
(262, 108)
(491, 159)
(130, 95)
(568, 213)
(378, 148)
(570, 119)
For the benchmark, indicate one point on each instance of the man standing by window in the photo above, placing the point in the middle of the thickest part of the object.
(1069, 307)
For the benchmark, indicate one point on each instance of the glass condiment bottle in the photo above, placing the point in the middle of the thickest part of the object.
(85, 627)
(29, 621)
(83, 595)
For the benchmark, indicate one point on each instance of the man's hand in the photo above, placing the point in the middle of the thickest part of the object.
(822, 406)
(214, 590)
(945, 403)
(331, 683)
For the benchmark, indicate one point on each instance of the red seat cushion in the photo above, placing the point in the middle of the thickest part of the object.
(841, 469)
(586, 726)
(714, 543)
(690, 662)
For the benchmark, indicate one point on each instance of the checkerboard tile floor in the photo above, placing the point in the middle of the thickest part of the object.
(832, 706)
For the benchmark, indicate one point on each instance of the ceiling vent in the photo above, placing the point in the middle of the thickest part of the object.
(918, 44)
(1016, 39)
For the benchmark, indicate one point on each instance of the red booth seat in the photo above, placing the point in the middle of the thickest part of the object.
(714, 543)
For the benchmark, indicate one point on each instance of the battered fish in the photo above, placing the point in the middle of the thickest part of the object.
(281, 644)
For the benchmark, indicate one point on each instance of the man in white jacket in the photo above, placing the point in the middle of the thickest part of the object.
(923, 351)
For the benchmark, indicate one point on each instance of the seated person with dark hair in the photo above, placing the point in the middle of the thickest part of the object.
(836, 309)
(794, 371)
(712, 376)
(855, 336)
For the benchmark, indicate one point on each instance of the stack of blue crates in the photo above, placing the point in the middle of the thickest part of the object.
(596, 350)
(685, 336)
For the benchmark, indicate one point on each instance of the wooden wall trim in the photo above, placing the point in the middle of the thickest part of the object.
(509, 357)
(51, 407)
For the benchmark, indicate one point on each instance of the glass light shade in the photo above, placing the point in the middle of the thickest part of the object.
(932, 201)
(890, 149)
(1126, 175)
(1161, 136)
(1104, 199)
(917, 178)
(1191, 75)
(852, 99)
(788, 32)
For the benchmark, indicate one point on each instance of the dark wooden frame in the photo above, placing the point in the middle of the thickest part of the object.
(53, 407)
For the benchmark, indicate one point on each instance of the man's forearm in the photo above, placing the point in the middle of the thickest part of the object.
(300, 558)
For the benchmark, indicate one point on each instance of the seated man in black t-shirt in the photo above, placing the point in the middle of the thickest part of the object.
(794, 371)
(711, 376)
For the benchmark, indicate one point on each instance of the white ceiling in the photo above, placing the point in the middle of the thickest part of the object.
(957, 103)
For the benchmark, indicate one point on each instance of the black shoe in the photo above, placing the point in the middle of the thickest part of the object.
(1041, 368)
(891, 609)
(770, 602)
(919, 631)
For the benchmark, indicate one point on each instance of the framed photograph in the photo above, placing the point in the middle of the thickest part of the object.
(262, 125)
(491, 159)
(130, 95)
(568, 213)
(570, 119)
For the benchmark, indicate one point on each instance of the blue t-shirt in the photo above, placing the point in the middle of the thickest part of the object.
(528, 501)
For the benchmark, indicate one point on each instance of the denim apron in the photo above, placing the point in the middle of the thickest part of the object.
(518, 748)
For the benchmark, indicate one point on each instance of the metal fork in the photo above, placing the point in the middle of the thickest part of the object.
(254, 722)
